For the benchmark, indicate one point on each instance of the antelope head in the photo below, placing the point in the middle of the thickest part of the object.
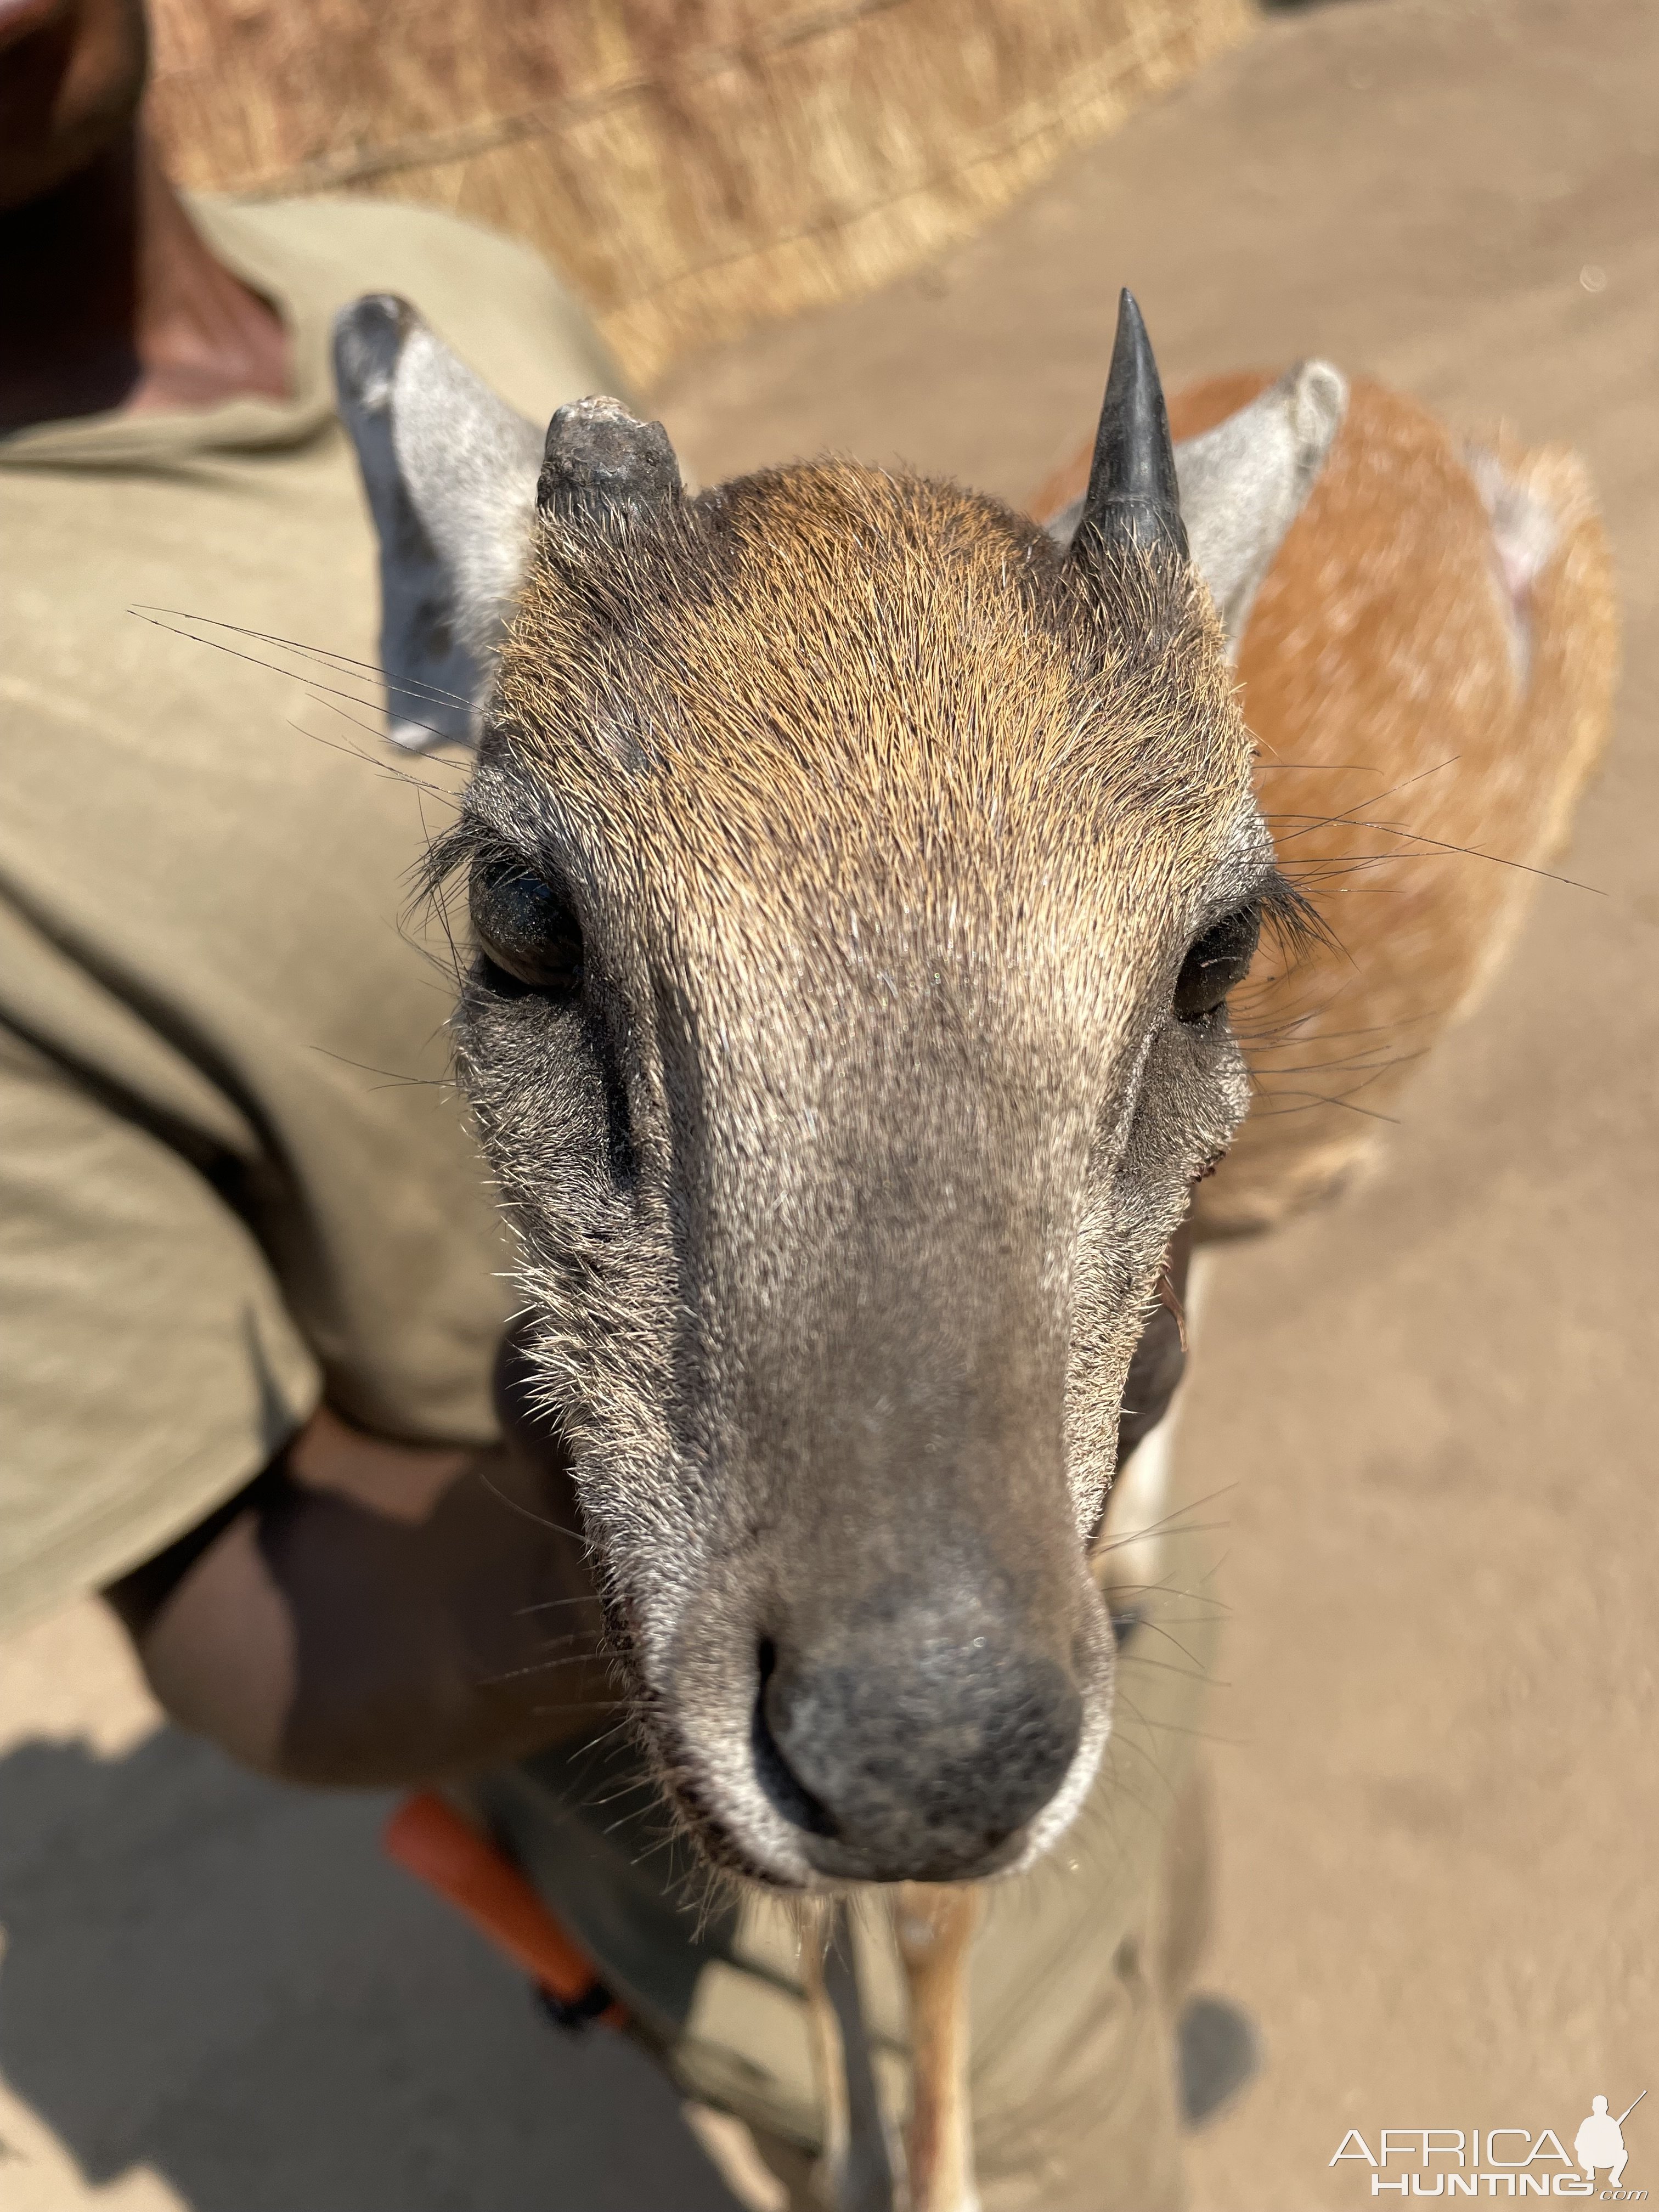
(856, 877)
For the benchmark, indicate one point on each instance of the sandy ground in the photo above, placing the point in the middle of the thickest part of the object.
(1434, 1745)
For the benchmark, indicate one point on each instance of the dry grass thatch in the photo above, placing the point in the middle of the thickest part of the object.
(692, 166)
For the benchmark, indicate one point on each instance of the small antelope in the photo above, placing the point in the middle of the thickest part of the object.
(859, 874)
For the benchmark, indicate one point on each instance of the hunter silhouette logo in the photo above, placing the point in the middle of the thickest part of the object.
(1499, 2161)
(1600, 2141)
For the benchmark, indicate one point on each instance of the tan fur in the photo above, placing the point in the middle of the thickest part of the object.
(1380, 676)
(890, 828)
(874, 724)
(799, 766)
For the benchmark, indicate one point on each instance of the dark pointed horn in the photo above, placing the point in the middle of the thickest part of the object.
(1133, 498)
(599, 461)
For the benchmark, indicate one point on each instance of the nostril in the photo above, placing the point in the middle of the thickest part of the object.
(917, 1765)
(776, 1777)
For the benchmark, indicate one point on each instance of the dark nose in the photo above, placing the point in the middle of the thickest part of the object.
(916, 1765)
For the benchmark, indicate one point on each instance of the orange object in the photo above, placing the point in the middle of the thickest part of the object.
(428, 1838)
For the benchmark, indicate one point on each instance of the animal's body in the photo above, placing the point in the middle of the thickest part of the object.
(859, 875)
(1427, 670)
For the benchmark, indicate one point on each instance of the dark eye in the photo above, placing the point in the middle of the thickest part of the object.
(1215, 962)
(526, 931)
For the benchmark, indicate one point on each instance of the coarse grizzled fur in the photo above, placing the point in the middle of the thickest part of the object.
(844, 1187)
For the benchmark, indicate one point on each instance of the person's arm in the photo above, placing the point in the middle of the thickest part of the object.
(369, 1613)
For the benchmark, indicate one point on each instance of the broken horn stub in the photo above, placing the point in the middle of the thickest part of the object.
(599, 461)
(1133, 498)
(370, 337)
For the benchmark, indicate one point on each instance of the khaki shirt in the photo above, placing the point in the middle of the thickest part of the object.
(234, 1180)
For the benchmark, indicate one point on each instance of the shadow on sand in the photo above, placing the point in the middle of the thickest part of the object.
(223, 1980)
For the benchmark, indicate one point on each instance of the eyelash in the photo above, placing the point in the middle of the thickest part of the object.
(1219, 958)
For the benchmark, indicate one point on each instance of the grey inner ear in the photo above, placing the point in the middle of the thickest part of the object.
(449, 471)
(1244, 483)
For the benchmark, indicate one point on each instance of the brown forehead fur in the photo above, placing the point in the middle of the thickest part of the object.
(829, 679)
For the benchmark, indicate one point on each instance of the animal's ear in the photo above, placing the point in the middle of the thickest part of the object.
(1244, 483)
(450, 472)
(454, 479)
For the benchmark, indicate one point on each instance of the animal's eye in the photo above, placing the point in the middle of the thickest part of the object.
(1215, 962)
(526, 931)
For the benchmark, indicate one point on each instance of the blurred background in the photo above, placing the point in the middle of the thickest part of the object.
(898, 227)
(692, 167)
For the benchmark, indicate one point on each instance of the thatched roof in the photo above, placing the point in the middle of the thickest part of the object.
(692, 166)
